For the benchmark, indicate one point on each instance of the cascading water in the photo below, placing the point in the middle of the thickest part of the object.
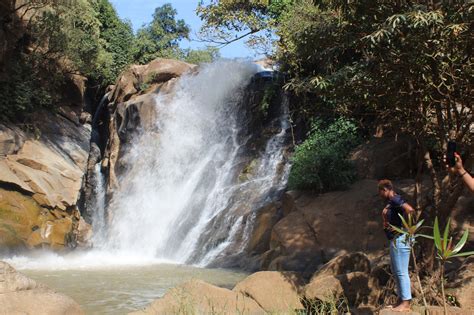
(191, 187)
(98, 218)
(182, 178)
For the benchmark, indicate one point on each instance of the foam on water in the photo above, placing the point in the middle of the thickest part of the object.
(87, 260)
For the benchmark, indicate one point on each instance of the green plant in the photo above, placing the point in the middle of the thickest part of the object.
(332, 305)
(320, 162)
(269, 93)
(446, 251)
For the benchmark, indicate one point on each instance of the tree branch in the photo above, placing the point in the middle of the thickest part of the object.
(224, 43)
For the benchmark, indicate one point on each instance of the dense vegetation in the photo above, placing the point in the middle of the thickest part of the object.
(50, 41)
(395, 66)
(320, 163)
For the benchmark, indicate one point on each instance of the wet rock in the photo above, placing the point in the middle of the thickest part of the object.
(273, 291)
(22, 295)
(199, 297)
(262, 227)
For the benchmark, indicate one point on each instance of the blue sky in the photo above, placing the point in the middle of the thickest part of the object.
(140, 12)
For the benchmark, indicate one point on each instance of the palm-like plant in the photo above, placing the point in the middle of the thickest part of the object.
(411, 227)
(446, 250)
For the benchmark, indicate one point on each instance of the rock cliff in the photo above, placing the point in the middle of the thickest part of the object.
(42, 167)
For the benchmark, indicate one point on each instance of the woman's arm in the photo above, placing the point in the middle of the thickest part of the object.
(466, 177)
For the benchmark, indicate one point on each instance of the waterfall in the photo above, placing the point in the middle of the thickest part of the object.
(182, 196)
(98, 217)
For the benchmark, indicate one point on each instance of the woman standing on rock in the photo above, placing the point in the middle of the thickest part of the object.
(400, 246)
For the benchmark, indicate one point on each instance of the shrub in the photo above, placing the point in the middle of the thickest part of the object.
(320, 163)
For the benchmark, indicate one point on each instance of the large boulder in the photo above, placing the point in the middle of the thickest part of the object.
(139, 77)
(316, 228)
(345, 276)
(22, 295)
(353, 286)
(199, 297)
(274, 291)
(311, 228)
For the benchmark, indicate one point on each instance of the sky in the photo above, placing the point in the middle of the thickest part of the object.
(140, 12)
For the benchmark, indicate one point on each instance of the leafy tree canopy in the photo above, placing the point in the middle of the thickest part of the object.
(160, 38)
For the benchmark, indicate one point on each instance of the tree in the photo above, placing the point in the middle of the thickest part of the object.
(116, 39)
(229, 21)
(197, 56)
(160, 38)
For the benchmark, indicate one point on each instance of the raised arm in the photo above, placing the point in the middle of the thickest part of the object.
(465, 176)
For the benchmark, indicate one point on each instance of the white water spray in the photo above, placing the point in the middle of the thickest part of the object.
(183, 176)
(181, 198)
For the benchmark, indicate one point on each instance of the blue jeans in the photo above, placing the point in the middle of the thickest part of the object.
(400, 259)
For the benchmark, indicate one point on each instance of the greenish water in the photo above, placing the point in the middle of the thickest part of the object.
(120, 290)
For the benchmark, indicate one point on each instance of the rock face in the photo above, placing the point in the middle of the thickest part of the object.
(40, 182)
(131, 107)
(310, 233)
(21, 295)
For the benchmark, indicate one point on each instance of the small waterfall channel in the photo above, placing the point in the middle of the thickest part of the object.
(192, 183)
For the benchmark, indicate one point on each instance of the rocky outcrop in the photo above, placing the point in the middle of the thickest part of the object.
(139, 79)
(273, 291)
(22, 295)
(310, 234)
(345, 276)
(40, 182)
(198, 297)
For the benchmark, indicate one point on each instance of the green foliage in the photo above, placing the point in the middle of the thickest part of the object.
(333, 304)
(198, 56)
(117, 41)
(160, 37)
(320, 163)
(446, 251)
(25, 89)
(232, 20)
(79, 37)
(444, 245)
